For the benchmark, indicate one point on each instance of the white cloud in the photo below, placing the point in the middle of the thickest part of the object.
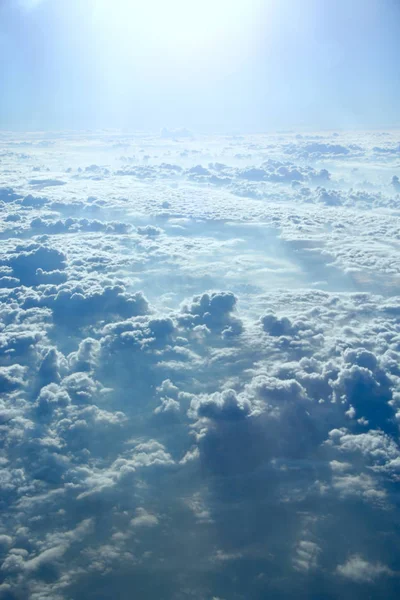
(199, 350)
(360, 570)
(144, 519)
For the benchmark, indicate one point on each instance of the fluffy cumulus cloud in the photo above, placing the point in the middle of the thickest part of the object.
(199, 366)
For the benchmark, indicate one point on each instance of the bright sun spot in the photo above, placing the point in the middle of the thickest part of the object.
(174, 26)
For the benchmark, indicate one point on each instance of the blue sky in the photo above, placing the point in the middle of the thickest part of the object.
(250, 66)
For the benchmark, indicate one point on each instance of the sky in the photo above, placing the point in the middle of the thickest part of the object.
(199, 300)
(254, 65)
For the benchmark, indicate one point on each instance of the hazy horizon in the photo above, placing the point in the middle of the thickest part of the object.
(210, 66)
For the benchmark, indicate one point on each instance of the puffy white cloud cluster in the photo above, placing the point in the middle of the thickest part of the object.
(199, 367)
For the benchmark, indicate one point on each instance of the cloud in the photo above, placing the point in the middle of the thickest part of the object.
(144, 519)
(361, 571)
(199, 378)
(175, 133)
(25, 262)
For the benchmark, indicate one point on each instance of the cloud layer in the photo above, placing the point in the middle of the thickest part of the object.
(199, 366)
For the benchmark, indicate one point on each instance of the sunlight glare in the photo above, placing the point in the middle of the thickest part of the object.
(174, 25)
